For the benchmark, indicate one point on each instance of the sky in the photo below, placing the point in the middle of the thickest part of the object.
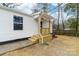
(53, 10)
(27, 8)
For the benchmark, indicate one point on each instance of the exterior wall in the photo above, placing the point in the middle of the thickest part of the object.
(46, 25)
(7, 32)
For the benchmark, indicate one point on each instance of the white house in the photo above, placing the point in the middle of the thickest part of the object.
(16, 25)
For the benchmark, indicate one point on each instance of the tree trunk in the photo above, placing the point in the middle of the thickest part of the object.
(77, 19)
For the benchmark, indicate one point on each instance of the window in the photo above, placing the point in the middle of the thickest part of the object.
(18, 23)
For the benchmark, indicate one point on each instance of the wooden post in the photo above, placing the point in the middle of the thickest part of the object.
(49, 25)
(39, 24)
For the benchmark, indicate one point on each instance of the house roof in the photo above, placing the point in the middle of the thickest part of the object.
(15, 11)
(44, 15)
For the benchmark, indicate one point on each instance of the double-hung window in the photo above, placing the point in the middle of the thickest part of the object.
(18, 23)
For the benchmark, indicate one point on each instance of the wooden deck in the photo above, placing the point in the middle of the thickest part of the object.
(60, 46)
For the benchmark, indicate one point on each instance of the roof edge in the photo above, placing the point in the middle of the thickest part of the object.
(15, 11)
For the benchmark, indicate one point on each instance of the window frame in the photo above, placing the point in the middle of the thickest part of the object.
(17, 22)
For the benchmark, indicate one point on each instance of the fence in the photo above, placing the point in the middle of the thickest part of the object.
(68, 32)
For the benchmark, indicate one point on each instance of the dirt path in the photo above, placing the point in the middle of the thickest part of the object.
(62, 45)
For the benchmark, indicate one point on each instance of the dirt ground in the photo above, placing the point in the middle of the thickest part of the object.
(60, 46)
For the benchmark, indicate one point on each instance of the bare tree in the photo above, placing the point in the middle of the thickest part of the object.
(10, 5)
(58, 16)
(43, 7)
(77, 5)
(62, 19)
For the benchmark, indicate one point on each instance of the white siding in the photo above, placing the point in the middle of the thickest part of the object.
(46, 25)
(30, 26)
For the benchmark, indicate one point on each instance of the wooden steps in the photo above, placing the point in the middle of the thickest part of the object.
(40, 38)
(34, 38)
